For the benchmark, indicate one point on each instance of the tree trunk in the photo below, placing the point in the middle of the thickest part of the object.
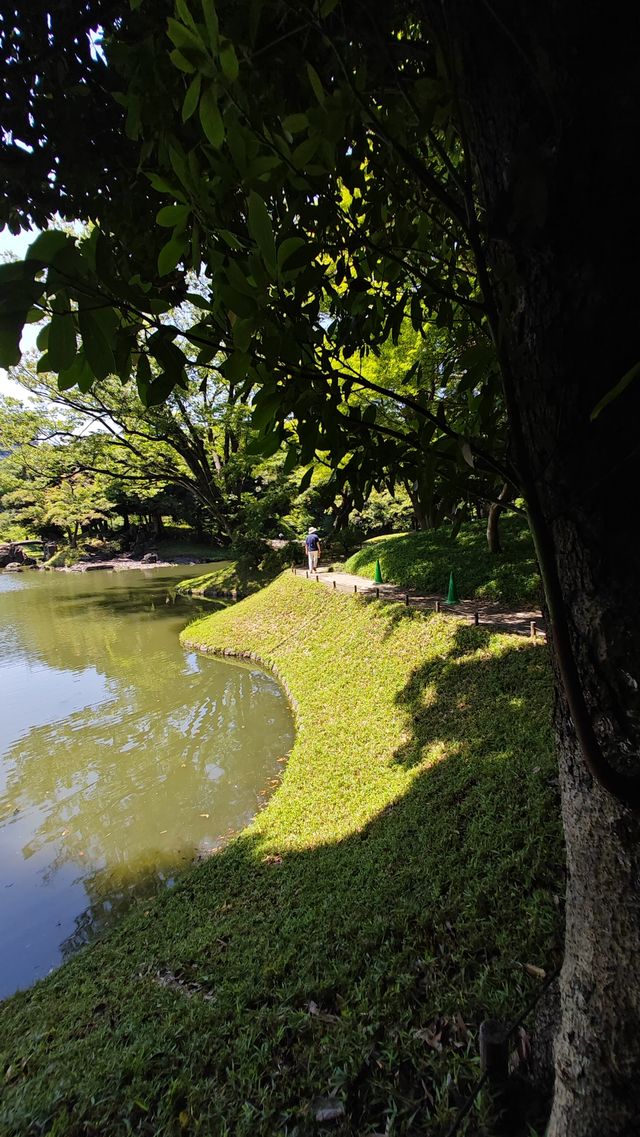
(495, 510)
(551, 96)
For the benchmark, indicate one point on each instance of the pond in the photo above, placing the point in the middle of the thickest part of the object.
(122, 755)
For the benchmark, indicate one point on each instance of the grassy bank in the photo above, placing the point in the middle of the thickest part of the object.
(228, 578)
(349, 942)
(424, 560)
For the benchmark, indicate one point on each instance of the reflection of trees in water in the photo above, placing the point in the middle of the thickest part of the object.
(71, 621)
(111, 893)
(122, 794)
(138, 774)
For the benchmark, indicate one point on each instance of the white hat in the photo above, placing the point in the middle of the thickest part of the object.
(312, 530)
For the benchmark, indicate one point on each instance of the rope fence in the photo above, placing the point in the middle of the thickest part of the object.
(369, 591)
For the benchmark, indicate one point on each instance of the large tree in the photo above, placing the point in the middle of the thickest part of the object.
(333, 169)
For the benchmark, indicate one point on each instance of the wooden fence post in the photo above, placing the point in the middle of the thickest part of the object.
(533, 630)
(437, 605)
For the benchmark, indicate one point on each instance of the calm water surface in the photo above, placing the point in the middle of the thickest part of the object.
(121, 754)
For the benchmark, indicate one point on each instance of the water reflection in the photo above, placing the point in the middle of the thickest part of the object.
(123, 755)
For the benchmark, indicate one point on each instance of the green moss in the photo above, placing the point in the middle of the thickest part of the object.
(424, 561)
(405, 869)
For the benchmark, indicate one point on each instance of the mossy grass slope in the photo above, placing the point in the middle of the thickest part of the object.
(352, 938)
(424, 561)
(228, 577)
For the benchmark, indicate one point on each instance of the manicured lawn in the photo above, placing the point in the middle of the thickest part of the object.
(349, 942)
(424, 560)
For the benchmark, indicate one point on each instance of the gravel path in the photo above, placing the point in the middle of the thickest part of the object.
(490, 614)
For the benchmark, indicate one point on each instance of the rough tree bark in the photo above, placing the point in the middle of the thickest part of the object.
(495, 510)
(550, 95)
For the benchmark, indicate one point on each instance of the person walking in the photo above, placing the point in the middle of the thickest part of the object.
(313, 548)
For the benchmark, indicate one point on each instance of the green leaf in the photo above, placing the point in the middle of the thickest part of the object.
(169, 356)
(265, 444)
(45, 247)
(229, 62)
(615, 391)
(94, 329)
(242, 332)
(163, 186)
(238, 302)
(181, 62)
(62, 334)
(182, 9)
(78, 375)
(170, 255)
(235, 366)
(191, 98)
(171, 215)
(287, 248)
(15, 271)
(210, 118)
(185, 38)
(211, 21)
(264, 408)
(261, 229)
(10, 332)
(143, 378)
(295, 123)
(199, 301)
(301, 256)
(316, 85)
(159, 389)
(305, 480)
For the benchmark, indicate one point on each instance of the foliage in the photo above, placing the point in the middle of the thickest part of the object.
(402, 874)
(331, 209)
(425, 560)
(188, 459)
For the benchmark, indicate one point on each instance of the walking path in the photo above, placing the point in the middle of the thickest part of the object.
(488, 614)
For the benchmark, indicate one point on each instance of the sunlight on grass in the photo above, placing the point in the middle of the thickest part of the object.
(406, 867)
(424, 561)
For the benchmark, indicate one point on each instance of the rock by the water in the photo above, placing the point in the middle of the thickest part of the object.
(13, 566)
(149, 558)
(12, 554)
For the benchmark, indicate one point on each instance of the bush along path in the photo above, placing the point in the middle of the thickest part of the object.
(327, 971)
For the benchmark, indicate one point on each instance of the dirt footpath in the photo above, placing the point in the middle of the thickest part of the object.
(483, 612)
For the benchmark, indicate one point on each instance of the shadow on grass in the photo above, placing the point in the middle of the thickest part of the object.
(359, 969)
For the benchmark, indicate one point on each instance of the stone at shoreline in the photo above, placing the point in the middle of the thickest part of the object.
(13, 566)
(13, 554)
(150, 558)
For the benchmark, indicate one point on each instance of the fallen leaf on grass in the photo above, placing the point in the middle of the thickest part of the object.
(537, 972)
(461, 1027)
(322, 1015)
(430, 1037)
